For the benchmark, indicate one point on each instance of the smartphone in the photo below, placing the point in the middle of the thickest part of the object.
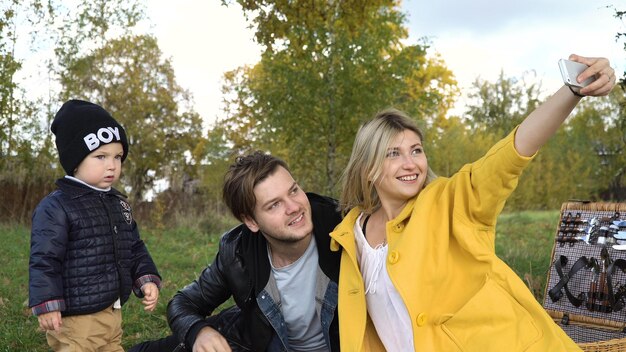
(570, 71)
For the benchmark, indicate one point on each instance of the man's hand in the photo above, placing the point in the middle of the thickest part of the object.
(210, 340)
(151, 296)
(50, 321)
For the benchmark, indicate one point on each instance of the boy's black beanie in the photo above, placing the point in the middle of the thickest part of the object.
(80, 128)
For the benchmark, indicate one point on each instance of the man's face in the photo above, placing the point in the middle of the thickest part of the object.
(282, 211)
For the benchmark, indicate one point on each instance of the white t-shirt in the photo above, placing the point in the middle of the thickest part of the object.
(384, 304)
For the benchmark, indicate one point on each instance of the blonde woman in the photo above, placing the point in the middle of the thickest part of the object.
(418, 269)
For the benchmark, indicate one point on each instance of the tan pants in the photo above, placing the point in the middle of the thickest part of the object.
(101, 332)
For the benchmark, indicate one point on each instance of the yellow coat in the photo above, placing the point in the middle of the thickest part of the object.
(441, 259)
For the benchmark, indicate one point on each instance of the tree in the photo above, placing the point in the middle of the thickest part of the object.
(498, 107)
(326, 67)
(621, 36)
(448, 146)
(602, 124)
(584, 160)
(8, 67)
(25, 157)
(216, 155)
(18, 121)
(130, 79)
(101, 60)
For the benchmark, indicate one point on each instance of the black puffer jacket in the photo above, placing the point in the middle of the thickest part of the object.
(242, 269)
(85, 249)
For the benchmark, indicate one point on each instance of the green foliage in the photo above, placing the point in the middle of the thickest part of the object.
(601, 125)
(621, 36)
(127, 75)
(25, 159)
(327, 66)
(500, 106)
(450, 145)
(140, 90)
(9, 121)
(584, 160)
(87, 26)
(9, 105)
(98, 58)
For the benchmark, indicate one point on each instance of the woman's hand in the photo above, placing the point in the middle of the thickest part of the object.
(600, 68)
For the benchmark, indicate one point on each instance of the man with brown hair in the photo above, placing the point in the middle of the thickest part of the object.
(277, 265)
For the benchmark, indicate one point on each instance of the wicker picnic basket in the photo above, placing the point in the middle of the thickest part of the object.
(586, 287)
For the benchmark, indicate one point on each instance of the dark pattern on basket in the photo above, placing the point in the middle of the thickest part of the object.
(584, 313)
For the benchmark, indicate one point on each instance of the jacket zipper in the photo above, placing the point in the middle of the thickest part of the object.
(113, 228)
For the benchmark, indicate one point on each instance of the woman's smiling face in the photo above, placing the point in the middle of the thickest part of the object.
(405, 169)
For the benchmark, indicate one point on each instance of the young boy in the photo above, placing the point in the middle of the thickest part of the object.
(86, 254)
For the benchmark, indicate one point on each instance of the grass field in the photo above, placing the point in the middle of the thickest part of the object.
(524, 241)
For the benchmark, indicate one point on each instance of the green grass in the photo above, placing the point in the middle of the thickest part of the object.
(524, 241)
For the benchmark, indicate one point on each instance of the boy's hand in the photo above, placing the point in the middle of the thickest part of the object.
(50, 321)
(151, 296)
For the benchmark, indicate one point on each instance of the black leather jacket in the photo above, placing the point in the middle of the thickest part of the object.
(241, 269)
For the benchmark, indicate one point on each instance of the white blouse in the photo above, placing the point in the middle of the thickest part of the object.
(384, 304)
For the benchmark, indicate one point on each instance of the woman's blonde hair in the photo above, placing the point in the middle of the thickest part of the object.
(368, 155)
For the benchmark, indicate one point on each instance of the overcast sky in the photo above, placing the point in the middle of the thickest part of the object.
(481, 37)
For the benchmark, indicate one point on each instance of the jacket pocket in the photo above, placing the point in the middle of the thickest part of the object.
(492, 320)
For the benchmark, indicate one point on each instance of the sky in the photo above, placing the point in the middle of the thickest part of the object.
(478, 38)
(481, 38)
